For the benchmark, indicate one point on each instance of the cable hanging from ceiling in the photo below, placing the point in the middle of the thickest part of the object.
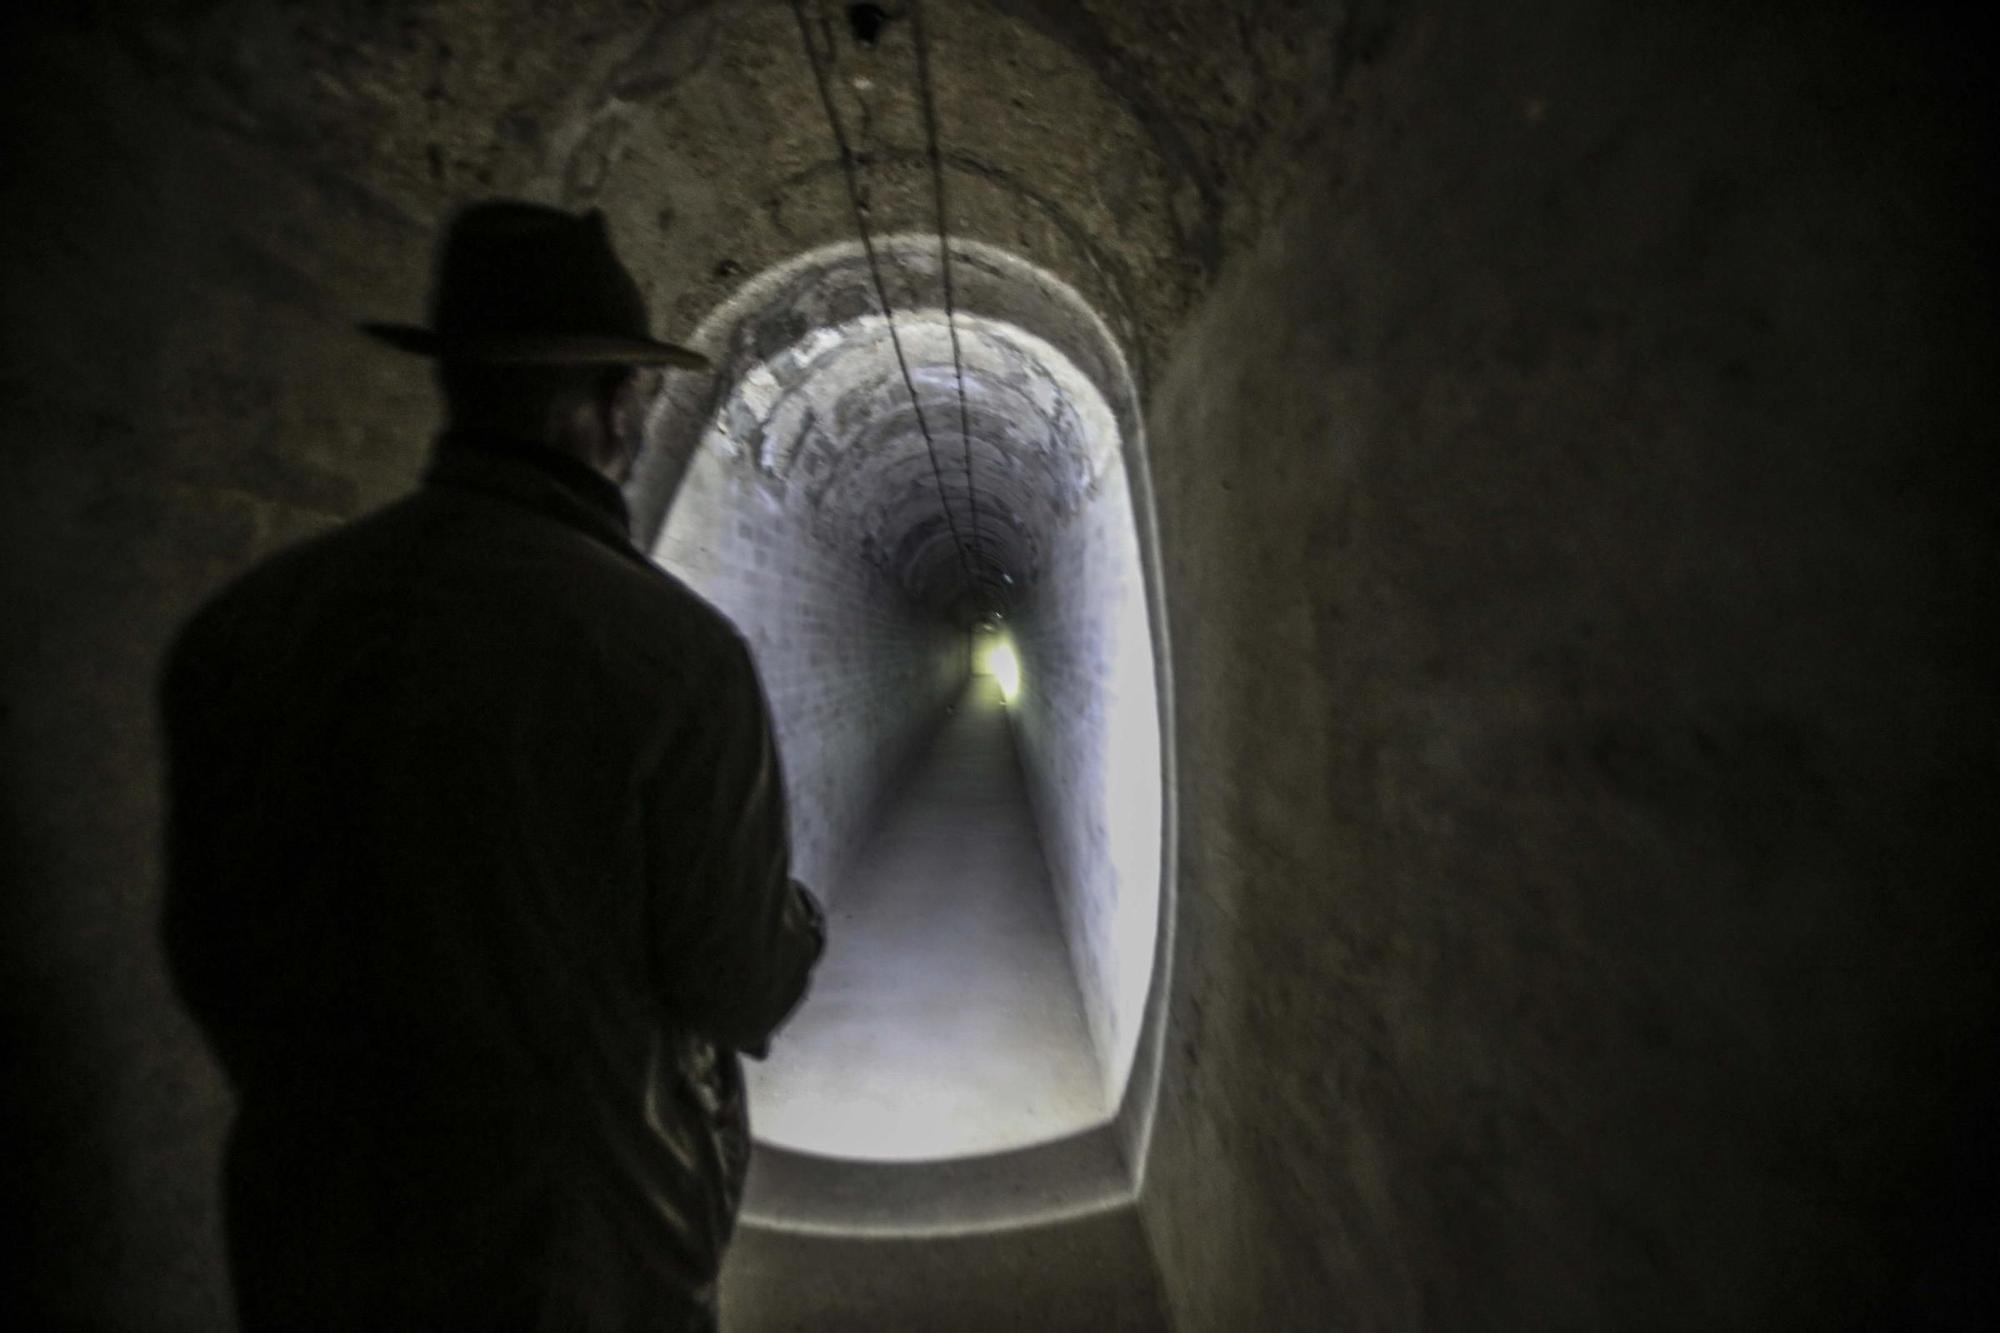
(858, 202)
(922, 46)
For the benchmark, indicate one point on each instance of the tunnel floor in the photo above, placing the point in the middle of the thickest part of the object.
(944, 1020)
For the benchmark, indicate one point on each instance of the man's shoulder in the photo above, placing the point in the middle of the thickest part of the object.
(483, 562)
(279, 575)
(681, 618)
(574, 574)
(274, 587)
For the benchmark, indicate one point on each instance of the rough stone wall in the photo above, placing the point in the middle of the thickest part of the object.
(1088, 729)
(182, 393)
(1579, 529)
(857, 675)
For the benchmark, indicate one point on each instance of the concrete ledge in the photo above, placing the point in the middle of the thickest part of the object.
(1065, 1178)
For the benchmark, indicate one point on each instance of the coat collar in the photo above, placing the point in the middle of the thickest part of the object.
(538, 478)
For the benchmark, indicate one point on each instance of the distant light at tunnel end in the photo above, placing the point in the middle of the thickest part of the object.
(1004, 665)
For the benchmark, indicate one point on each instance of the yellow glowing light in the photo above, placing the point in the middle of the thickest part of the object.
(1005, 668)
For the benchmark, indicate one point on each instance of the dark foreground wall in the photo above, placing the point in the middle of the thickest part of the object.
(1578, 521)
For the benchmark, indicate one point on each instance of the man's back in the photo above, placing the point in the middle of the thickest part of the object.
(479, 880)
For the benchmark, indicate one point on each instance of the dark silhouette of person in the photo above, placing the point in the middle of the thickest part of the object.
(479, 881)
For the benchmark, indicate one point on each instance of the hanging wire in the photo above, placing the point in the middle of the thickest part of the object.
(922, 45)
(860, 207)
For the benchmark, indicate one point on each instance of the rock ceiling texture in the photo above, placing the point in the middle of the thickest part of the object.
(1118, 150)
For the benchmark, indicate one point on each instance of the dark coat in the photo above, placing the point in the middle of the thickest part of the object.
(479, 882)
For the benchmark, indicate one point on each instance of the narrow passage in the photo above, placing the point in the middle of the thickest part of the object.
(945, 1020)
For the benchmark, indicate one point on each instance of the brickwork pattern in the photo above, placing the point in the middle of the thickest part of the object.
(1087, 723)
(856, 676)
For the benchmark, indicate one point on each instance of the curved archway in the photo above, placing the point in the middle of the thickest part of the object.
(797, 491)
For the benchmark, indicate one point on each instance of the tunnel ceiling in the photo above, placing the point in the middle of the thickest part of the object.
(1125, 147)
(814, 404)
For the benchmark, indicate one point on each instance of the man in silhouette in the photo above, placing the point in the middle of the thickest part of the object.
(479, 875)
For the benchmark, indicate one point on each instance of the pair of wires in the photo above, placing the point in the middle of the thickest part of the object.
(858, 202)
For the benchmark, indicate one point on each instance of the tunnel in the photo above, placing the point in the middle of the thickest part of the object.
(1375, 616)
(991, 858)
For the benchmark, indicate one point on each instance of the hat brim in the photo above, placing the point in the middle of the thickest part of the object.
(538, 349)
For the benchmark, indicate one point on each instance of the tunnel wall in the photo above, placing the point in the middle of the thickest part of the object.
(1578, 523)
(1089, 735)
(857, 676)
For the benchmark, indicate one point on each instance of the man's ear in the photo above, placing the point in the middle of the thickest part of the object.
(618, 412)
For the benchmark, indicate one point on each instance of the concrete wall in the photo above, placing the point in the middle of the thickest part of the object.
(1579, 525)
(857, 675)
(1088, 728)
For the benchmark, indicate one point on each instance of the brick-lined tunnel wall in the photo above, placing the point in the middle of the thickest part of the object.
(1578, 522)
(857, 675)
(1088, 730)
(811, 450)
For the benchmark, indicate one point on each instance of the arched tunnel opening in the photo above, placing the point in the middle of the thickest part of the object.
(992, 865)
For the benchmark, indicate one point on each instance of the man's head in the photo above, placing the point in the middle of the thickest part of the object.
(540, 333)
(595, 414)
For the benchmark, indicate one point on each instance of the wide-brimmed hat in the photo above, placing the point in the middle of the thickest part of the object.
(525, 284)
